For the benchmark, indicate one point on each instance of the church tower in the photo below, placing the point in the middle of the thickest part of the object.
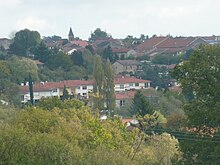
(70, 35)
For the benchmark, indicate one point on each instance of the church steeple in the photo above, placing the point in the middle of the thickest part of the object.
(70, 35)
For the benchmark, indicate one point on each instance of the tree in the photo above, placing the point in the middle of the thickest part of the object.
(98, 34)
(90, 48)
(31, 89)
(98, 74)
(65, 93)
(108, 54)
(4, 69)
(61, 60)
(20, 69)
(42, 53)
(77, 58)
(24, 42)
(199, 77)
(109, 86)
(140, 105)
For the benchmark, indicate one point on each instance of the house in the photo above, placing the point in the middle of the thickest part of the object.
(212, 40)
(69, 48)
(105, 42)
(123, 53)
(124, 99)
(80, 43)
(5, 43)
(169, 45)
(130, 83)
(127, 66)
(78, 88)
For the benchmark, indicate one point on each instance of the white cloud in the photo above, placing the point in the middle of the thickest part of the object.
(32, 23)
(5, 3)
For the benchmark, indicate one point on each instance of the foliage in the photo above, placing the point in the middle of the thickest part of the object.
(98, 34)
(65, 93)
(108, 54)
(109, 90)
(9, 92)
(3, 54)
(63, 136)
(140, 105)
(20, 69)
(98, 83)
(42, 53)
(61, 60)
(4, 69)
(131, 41)
(167, 59)
(51, 103)
(158, 75)
(77, 58)
(24, 42)
(199, 78)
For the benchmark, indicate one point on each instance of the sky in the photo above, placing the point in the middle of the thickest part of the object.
(119, 18)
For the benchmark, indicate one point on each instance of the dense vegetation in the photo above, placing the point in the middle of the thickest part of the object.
(69, 132)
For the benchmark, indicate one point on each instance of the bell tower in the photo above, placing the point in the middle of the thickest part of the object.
(70, 35)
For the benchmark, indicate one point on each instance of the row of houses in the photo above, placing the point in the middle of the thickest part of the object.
(152, 46)
(82, 89)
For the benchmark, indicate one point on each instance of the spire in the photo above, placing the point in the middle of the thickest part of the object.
(70, 35)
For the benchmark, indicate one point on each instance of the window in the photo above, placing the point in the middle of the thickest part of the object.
(54, 90)
(146, 85)
(84, 94)
(78, 87)
(137, 84)
(84, 87)
(121, 86)
(122, 103)
(131, 84)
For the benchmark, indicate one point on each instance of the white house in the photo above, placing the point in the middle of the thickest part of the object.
(79, 88)
(129, 83)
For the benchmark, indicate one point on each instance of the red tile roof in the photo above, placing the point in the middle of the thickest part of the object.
(125, 80)
(74, 83)
(181, 42)
(125, 95)
(80, 43)
(120, 50)
(150, 44)
(54, 85)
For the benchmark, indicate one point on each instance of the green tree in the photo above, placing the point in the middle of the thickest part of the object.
(4, 69)
(98, 34)
(199, 77)
(140, 105)
(77, 58)
(98, 88)
(65, 93)
(42, 53)
(61, 60)
(20, 69)
(109, 86)
(24, 42)
(30, 83)
(108, 54)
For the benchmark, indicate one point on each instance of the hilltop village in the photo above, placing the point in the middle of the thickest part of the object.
(138, 63)
(138, 100)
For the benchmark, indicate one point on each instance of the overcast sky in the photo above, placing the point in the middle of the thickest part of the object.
(117, 17)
